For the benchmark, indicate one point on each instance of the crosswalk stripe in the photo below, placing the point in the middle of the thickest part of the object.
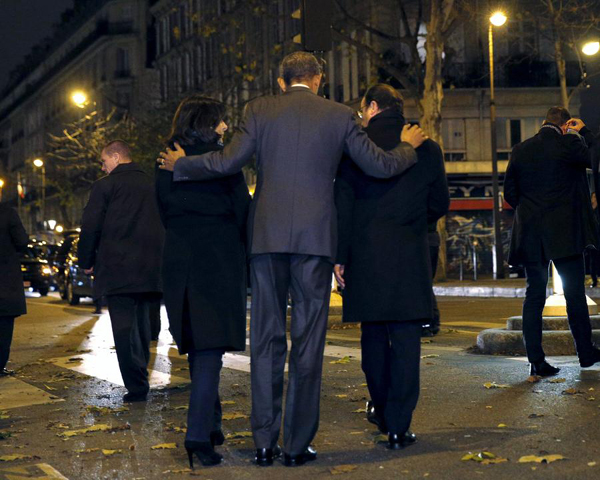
(15, 393)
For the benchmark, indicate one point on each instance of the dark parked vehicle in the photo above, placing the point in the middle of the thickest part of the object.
(74, 283)
(37, 272)
(58, 261)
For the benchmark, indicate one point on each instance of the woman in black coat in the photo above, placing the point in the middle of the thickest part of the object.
(13, 239)
(204, 269)
(383, 262)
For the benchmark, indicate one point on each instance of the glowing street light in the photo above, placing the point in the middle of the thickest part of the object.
(79, 98)
(59, 228)
(498, 19)
(1, 186)
(39, 163)
(591, 48)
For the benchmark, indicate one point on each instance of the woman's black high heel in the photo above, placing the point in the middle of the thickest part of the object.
(217, 438)
(205, 453)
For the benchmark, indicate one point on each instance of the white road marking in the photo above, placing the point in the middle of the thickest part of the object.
(40, 471)
(15, 393)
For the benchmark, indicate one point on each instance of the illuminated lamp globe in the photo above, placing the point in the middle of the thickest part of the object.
(498, 19)
(79, 98)
(38, 162)
(591, 48)
(59, 228)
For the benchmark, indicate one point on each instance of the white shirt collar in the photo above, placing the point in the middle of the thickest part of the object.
(299, 85)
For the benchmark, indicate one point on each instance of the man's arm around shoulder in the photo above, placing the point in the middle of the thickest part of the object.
(376, 162)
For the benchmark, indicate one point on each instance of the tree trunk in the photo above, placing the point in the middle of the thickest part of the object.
(562, 71)
(430, 103)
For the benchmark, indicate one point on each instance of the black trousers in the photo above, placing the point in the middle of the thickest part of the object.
(154, 313)
(572, 274)
(307, 278)
(7, 325)
(434, 253)
(391, 356)
(129, 316)
(204, 414)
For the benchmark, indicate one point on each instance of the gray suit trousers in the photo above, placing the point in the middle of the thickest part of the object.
(307, 278)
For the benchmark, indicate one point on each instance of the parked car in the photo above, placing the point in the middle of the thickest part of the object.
(58, 261)
(37, 273)
(75, 283)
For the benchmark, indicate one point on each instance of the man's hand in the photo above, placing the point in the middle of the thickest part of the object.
(338, 271)
(413, 135)
(88, 271)
(168, 159)
(576, 124)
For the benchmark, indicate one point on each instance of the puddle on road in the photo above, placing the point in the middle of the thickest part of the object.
(15, 393)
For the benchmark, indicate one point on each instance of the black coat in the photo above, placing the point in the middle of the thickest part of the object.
(13, 239)
(546, 183)
(298, 139)
(204, 263)
(121, 233)
(383, 231)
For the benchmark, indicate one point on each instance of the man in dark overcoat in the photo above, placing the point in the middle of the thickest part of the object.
(383, 262)
(298, 139)
(546, 184)
(13, 239)
(121, 242)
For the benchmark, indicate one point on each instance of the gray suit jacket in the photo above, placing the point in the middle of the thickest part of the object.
(298, 139)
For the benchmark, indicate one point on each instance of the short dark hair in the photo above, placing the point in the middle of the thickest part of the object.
(299, 66)
(196, 119)
(118, 146)
(558, 116)
(386, 96)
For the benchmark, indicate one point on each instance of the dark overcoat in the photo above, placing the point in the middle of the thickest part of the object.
(383, 231)
(13, 239)
(121, 233)
(546, 183)
(204, 262)
(298, 139)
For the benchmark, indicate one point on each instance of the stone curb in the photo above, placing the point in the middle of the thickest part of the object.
(496, 341)
(492, 291)
(550, 323)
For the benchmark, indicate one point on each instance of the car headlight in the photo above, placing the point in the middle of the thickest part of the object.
(46, 270)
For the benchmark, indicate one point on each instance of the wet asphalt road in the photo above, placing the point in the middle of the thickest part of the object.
(63, 356)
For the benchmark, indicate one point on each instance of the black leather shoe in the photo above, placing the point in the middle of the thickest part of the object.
(205, 453)
(265, 456)
(543, 369)
(589, 361)
(135, 397)
(376, 419)
(6, 373)
(308, 455)
(398, 442)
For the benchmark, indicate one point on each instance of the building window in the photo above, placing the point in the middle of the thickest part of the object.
(515, 132)
(123, 70)
(453, 134)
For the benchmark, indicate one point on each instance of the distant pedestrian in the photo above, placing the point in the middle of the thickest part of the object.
(204, 269)
(383, 262)
(121, 242)
(546, 183)
(13, 239)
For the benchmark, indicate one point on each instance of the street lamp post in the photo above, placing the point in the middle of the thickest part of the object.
(1, 187)
(497, 19)
(39, 163)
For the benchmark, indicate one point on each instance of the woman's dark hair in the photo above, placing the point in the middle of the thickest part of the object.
(196, 119)
(387, 97)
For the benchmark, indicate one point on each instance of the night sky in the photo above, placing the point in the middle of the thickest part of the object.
(24, 23)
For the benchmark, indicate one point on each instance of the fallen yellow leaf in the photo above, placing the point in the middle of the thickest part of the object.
(16, 456)
(227, 402)
(108, 453)
(557, 380)
(339, 469)
(233, 416)
(342, 396)
(231, 436)
(495, 385)
(164, 446)
(343, 360)
(432, 355)
(501, 425)
(542, 459)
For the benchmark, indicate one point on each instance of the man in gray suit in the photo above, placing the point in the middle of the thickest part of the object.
(298, 139)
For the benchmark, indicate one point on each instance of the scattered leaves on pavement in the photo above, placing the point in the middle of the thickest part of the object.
(101, 427)
(87, 450)
(484, 458)
(542, 459)
(340, 469)
(233, 416)
(341, 361)
(231, 436)
(431, 355)
(17, 456)
(495, 385)
(533, 378)
(108, 453)
(557, 380)
(104, 410)
(164, 446)
(572, 391)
